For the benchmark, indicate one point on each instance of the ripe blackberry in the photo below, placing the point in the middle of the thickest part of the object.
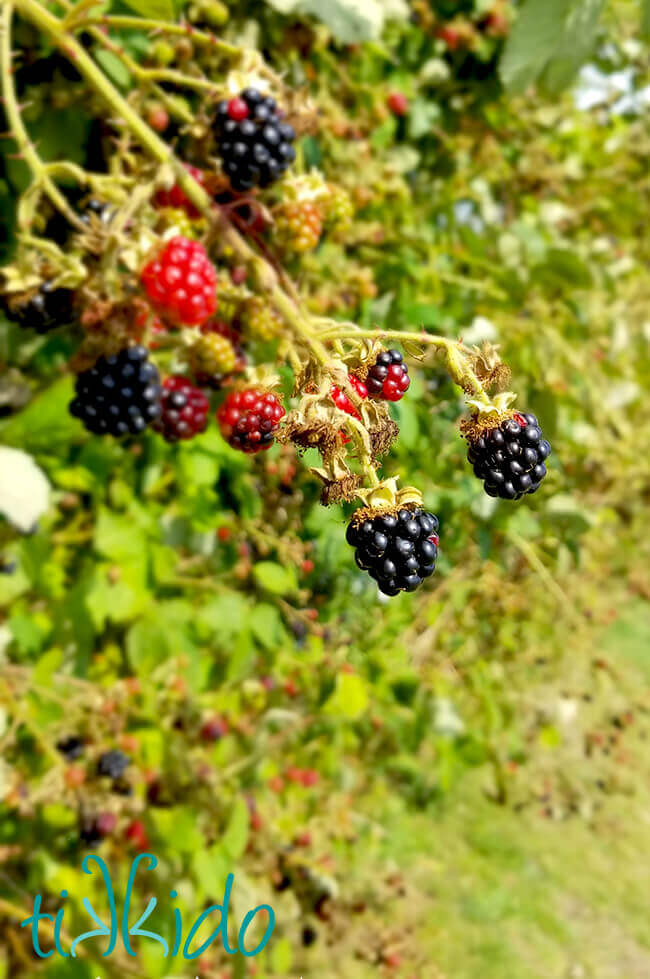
(509, 458)
(298, 225)
(248, 419)
(112, 764)
(43, 310)
(181, 282)
(388, 379)
(184, 411)
(119, 395)
(254, 142)
(398, 549)
(97, 211)
(71, 747)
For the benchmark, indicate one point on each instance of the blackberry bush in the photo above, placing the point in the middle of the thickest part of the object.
(136, 283)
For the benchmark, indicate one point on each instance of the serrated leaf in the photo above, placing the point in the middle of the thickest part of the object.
(536, 34)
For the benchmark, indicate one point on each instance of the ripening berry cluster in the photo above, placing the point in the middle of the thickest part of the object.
(123, 392)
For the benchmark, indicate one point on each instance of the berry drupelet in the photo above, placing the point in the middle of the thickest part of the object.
(509, 458)
(112, 764)
(120, 395)
(255, 144)
(248, 419)
(181, 282)
(388, 379)
(43, 310)
(184, 410)
(398, 550)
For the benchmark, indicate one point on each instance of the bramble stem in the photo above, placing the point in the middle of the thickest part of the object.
(457, 360)
(18, 130)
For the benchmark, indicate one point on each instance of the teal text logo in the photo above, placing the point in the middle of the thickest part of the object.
(116, 927)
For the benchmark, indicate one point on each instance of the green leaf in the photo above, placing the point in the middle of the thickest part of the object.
(114, 68)
(562, 268)
(153, 9)
(45, 424)
(645, 18)
(274, 578)
(350, 697)
(537, 32)
(266, 625)
(234, 840)
(578, 42)
(281, 957)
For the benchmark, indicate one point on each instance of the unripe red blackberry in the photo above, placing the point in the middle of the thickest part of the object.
(388, 379)
(254, 142)
(248, 419)
(343, 403)
(43, 310)
(341, 400)
(184, 410)
(181, 282)
(119, 395)
(509, 457)
(397, 549)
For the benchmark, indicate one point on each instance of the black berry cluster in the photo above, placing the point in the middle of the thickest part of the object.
(112, 764)
(254, 142)
(510, 457)
(43, 310)
(397, 550)
(70, 747)
(119, 395)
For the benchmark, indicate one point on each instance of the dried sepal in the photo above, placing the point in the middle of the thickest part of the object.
(489, 368)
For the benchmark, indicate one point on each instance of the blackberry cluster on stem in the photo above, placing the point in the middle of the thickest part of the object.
(50, 306)
(398, 550)
(254, 142)
(119, 395)
(509, 457)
